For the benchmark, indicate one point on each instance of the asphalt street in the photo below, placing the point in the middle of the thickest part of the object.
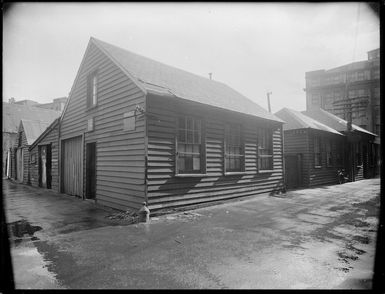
(319, 238)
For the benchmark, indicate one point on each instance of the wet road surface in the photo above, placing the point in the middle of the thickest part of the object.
(312, 238)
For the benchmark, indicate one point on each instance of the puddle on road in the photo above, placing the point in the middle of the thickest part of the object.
(22, 230)
(33, 260)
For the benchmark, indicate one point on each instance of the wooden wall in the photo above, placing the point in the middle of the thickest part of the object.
(9, 141)
(120, 154)
(297, 142)
(52, 138)
(323, 175)
(167, 190)
(22, 143)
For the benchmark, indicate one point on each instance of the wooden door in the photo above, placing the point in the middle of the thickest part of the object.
(42, 166)
(48, 166)
(20, 165)
(72, 166)
(293, 171)
(91, 171)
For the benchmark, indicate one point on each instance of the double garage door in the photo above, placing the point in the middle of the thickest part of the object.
(72, 183)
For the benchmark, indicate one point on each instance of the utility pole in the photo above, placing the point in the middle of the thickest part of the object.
(268, 100)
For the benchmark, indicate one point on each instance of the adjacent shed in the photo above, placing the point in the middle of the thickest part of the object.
(136, 130)
(29, 131)
(12, 115)
(313, 151)
(360, 144)
(44, 163)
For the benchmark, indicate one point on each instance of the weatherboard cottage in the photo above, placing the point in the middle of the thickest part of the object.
(137, 130)
(313, 151)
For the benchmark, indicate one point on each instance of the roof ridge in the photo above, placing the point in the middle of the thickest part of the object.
(146, 72)
(162, 63)
(34, 120)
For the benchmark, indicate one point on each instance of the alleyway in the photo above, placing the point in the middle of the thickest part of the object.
(312, 238)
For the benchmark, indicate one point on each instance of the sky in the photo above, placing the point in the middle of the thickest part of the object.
(254, 48)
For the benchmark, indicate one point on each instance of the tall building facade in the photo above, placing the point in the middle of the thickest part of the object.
(352, 87)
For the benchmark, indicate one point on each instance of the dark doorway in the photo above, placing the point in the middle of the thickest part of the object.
(293, 171)
(45, 166)
(91, 170)
(49, 166)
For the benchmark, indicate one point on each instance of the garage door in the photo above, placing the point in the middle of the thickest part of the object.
(72, 166)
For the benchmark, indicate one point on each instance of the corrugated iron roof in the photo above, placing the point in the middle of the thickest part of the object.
(296, 120)
(333, 121)
(33, 129)
(13, 113)
(160, 78)
(44, 133)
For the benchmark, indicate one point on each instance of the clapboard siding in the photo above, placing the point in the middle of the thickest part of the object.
(325, 174)
(167, 190)
(120, 155)
(297, 142)
(50, 138)
(22, 144)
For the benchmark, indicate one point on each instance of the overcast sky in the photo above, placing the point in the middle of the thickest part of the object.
(252, 47)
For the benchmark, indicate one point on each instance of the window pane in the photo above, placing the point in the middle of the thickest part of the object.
(94, 90)
(237, 163)
(181, 123)
(196, 148)
(189, 123)
(189, 148)
(182, 136)
(189, 137)
(181, 164)
(196, 137)
(189, 145)
(189, 163)
(196, 163)
(197, 125)
(181, 147)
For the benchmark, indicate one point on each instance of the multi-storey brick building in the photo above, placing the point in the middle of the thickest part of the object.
(354, 86)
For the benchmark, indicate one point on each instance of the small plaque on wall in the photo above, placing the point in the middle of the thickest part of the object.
(129, 121)
(90, 125)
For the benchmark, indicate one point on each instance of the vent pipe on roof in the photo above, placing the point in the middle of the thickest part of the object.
(210, 75)
(268, 100)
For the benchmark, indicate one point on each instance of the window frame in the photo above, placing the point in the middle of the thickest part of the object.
(202, 148)
(92, 89)
(227, 134)
(261, 132)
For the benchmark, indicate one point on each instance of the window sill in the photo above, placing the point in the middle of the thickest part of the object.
(265, 171)
(235, 173)
(191, 175)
